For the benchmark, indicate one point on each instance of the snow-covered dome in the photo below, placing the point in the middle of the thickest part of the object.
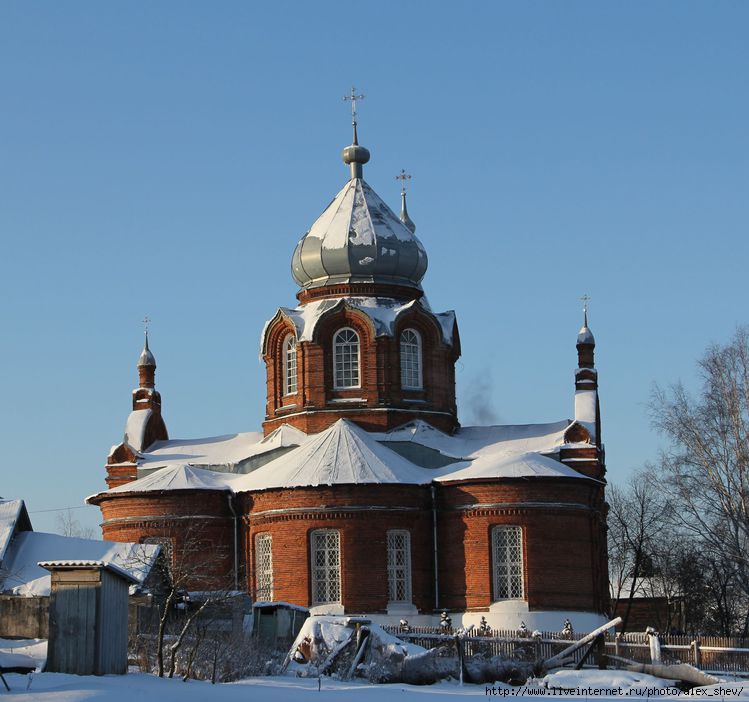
(146, 358)
(358, 239)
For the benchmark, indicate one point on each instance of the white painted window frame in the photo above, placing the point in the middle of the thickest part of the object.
(416, 358)
(508, 579)
(290, 365)
(399, 566)
(339, 350)
(264, 567)
(325, 571)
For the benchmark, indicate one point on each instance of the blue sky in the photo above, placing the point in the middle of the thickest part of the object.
(163, 158)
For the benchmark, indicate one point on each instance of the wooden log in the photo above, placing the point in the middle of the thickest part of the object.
(682, 672)
(555, 660)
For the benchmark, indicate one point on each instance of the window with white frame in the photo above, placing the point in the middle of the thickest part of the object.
(289, 365)
(399, 565)
(325, 552)
(411, 373)
(507, 562)
(346, 358)
(263, 567)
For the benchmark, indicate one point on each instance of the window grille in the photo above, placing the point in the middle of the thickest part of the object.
(289, 366)
(325, 548)
(411, 375)
(507, 552)
(263, 567)
(346, 358)
(399, 566)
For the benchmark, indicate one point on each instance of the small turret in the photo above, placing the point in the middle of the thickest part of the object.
(144, 424)
(586, 343)
(146, 367)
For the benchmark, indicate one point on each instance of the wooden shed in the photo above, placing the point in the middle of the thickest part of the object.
(87, 617)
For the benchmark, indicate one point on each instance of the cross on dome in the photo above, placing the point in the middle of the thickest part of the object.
(585, 336)
(352, 99)
(407, 221)
(403, 177)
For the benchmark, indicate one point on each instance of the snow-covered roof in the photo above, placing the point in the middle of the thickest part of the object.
(497, 442)
(527, 465)
(344, 453)
(178, 477)
(12, 514)
(383, 312)
(217, 451)
(358, 238)
(135, 428)
(22, 575)
(87, 564)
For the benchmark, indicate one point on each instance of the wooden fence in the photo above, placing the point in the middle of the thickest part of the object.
(708, 653)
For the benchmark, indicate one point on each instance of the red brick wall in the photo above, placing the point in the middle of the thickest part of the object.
(384, 404)
(198, 524)
(561, 556)
(562, 541)
(363, 535)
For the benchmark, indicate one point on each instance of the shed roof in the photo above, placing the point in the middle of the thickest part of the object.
(89, 565)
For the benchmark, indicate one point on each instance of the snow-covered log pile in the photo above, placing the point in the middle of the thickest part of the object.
(346, 647)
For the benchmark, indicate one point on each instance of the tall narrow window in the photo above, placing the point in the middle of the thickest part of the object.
(411, 377)
(346, 358)
(399, 566)
(325, 551)
(507, 567)
(289, 365)
(263, 567)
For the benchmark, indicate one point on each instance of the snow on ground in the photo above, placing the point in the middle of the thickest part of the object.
(56, 687)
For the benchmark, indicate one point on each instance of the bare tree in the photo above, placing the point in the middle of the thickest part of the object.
(636, 516)
(67, 525)
(705, 469)
(187, 565)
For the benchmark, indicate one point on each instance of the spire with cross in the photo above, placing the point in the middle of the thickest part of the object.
(146, 357)
(585, 299)
(352, 98)
(403, 177)
(355, 156)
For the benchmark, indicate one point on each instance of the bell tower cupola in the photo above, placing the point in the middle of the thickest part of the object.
(363, 343)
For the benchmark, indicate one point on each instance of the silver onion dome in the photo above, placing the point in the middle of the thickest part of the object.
(146, 358)
(585, 336)
(359, 239)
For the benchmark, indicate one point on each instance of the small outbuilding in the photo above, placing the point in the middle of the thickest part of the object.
(88, 617)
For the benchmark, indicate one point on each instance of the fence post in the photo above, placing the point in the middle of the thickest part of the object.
(459, 647)
(697, 653)
(617, 639)
(655, 645)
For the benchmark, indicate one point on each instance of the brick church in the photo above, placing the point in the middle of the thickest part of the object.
(363, 494)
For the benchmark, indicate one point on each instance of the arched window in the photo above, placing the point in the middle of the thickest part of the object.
(263, 567)
(289, 365)
(507, 562)
(399, 566)
(346, 358)
(325, 555)
(411, 375)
